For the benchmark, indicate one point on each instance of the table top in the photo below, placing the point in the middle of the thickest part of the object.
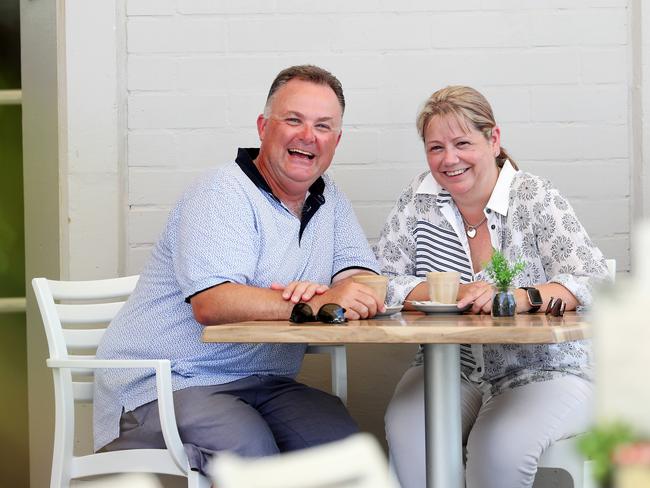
(411, 327)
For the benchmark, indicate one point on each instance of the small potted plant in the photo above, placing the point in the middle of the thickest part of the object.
(502, 273)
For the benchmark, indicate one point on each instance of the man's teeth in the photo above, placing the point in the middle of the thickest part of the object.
(456, 172)
(302, 153)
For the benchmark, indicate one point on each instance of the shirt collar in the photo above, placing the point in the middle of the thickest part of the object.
(245, 160)
(498, 201)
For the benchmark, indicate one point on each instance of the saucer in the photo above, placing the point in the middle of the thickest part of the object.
(435, 307)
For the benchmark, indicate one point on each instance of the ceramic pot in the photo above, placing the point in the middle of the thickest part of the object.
(504, 304)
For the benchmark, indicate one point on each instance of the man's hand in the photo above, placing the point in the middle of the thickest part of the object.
(300, 291)
(479, 294)
(358, 300)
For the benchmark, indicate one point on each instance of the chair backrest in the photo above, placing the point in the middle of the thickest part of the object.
(75, 315)
(354, 462)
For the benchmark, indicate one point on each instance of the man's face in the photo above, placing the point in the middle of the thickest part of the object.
(299, 137)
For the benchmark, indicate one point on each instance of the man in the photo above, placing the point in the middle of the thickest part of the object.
(230, 246)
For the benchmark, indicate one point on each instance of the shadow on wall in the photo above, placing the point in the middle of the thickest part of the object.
(14, 448)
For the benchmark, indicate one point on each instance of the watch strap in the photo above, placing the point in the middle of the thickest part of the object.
(533, 308)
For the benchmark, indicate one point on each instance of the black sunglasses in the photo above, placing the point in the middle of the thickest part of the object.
(555, 307)
(330, 313)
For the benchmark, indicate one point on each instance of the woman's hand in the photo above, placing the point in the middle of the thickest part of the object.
(479, 294)
(300, 291)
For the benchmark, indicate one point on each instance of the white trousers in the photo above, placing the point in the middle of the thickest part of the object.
(505, 435)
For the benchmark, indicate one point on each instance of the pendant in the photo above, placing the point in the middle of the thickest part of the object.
(471, 232)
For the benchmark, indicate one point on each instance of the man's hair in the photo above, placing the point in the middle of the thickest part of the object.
(305, 72)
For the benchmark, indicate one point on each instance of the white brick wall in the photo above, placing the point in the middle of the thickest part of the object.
(557, 73)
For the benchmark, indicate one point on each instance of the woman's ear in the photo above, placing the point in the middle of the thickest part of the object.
(495, 140)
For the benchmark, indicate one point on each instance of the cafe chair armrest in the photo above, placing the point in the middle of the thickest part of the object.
(164, 393)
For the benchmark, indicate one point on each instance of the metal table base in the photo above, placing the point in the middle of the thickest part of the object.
(442, 420)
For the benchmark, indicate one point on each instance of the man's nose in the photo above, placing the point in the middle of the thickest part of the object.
(307, 133)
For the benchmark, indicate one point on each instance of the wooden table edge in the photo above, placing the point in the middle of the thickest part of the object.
(409, 331)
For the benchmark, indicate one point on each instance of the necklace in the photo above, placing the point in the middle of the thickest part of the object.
(470, 229)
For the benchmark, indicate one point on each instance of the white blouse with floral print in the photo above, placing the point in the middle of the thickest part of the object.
(527, 219)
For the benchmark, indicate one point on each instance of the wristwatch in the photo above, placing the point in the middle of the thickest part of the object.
(534, 298)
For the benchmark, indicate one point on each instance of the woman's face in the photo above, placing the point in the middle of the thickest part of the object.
(462, 160)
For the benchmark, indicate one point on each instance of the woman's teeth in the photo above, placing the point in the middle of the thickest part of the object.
(456, 172)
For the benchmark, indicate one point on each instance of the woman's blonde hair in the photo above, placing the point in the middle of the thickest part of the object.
(467, 106)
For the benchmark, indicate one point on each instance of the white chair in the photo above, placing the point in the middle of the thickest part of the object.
(354, 462)
(89, 306)
(564, 454)
(75, 315)
(338, 366)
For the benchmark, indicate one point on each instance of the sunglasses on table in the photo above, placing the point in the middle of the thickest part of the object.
(330, 313)
(555, 307)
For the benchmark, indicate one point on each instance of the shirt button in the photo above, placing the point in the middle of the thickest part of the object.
(489, 211)
(479, 369)
(493, 227)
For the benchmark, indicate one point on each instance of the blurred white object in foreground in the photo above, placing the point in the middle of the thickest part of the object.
(355, 462)
(621, 330)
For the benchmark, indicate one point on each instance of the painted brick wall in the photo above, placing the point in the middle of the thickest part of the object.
(557, 73)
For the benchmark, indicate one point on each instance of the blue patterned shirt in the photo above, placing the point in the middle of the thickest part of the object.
(228, 227)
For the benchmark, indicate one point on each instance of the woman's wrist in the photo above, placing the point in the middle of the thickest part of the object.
(521, 297)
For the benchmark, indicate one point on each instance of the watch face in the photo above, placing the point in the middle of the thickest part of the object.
(534, 297)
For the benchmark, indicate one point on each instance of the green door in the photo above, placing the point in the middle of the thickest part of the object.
(14, 449)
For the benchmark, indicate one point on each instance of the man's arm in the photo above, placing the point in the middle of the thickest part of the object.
(350, 272)
(231, 302)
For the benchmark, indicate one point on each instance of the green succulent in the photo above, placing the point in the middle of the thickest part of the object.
(501, 271)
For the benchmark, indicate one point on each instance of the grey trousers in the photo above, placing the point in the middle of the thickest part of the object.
(504, 436)
(254, 416)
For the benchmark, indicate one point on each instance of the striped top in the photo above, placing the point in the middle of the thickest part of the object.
(526, 218)
(440, 249)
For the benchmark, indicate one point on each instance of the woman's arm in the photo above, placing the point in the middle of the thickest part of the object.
(571, 263)
(395, 250)
(547, 291)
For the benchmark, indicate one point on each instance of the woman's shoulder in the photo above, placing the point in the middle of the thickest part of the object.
(538, 198)
(530, 187)
(421, 184)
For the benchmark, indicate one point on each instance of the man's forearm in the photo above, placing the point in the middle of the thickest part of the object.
(232, 302)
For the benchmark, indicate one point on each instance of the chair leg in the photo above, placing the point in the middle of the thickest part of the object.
(59, 479)
(197, 480)
(340, 373)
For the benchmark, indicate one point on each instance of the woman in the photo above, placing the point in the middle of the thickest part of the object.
(516, 399)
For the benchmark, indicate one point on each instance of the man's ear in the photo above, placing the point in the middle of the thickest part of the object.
(261, 126)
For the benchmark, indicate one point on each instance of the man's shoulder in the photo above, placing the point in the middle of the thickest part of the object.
(220, 179)
(333, 188)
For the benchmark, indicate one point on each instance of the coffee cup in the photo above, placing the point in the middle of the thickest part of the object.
(443, 286)
(378, 284)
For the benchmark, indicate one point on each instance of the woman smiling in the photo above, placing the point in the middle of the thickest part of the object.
(516, 399)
